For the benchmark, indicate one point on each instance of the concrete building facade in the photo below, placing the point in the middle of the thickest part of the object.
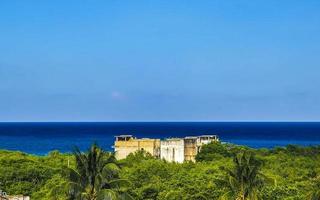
(191, 148)
(126, 144)
(18, 197)
(172, 150)
(206, 139)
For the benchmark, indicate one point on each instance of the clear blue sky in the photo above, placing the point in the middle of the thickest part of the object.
(162, 60)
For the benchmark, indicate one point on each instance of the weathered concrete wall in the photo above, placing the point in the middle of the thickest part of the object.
(19, 197)
(172, 150)
(206, 139)
(190, 149)
(124, 148)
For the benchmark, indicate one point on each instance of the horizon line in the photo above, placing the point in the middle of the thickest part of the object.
(172, 121)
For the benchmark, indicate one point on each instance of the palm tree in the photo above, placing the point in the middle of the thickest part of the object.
(96, 176)
(243, 181)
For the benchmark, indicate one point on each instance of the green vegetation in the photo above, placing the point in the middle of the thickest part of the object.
(244, 180)
(221, 172)
(96, 176)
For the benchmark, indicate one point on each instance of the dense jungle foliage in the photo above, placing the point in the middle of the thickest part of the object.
(222, 171)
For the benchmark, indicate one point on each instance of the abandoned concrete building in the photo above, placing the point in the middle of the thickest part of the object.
(172, 150)
(126, 144)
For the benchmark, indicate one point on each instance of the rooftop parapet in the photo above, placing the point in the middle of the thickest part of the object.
(210, 136)
(172, 139)
(190, 137)
(205, 139)
(124, 137)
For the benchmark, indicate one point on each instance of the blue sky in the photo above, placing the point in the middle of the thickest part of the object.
(159, 60)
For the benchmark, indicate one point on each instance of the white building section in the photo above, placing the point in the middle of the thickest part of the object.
(206, 139)
(172, 150)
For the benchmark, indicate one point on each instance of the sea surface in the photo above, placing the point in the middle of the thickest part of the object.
(41, 138)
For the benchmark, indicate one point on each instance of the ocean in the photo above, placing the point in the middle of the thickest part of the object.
(41, 138)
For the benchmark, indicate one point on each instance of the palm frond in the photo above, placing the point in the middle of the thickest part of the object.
(107, 194)
(96, 176)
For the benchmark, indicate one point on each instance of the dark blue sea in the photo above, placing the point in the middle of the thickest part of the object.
(40, 138)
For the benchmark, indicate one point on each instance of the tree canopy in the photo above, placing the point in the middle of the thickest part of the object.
(294, 172)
